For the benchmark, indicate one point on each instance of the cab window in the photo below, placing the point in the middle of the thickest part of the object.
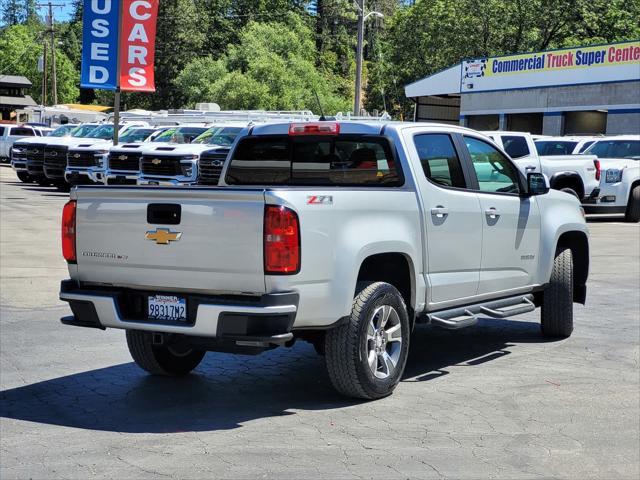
(495, 173)
(515, 146)
(439, 159)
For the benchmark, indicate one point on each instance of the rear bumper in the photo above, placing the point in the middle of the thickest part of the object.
(268, 318)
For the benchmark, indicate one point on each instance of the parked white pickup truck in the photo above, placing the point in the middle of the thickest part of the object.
(179, 164)
(21, 148)
(343, 234)
(578, 175)
(86, 162)
(620, 181)
(9, 134)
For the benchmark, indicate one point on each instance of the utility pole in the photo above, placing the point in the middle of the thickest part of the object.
(54, 79)
(44, 73)
(356, 103)
(362, 17)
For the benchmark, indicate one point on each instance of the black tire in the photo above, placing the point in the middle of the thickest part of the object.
(570, 191)
(633, 206)
(347, 346)
(24, 177)
(161, 360)
(557, 300)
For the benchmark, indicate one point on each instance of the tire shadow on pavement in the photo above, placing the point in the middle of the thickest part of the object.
(227, 390)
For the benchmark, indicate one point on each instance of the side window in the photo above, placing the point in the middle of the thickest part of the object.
(1, 131)
(515, 146)
(494, 171)
(439, 159)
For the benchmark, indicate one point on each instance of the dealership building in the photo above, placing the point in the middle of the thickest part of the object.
(582, 90)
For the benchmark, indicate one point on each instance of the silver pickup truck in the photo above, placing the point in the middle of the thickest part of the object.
(343, 234)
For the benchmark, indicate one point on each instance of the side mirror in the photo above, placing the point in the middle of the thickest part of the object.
(537, 184)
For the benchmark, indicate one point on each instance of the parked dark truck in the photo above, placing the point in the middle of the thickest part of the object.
(343, 234)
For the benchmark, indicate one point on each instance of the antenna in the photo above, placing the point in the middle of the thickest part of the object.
(322, 117)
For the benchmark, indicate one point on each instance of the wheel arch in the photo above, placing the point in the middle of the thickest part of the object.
(395, 268)
(578, 242)
(571, 180)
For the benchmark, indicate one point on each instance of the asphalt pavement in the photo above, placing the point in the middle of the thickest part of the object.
(492, 401)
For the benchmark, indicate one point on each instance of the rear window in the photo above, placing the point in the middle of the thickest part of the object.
(348, 160)
(515, 146)
(553, 147)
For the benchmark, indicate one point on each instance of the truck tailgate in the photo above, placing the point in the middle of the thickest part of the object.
(216, 246)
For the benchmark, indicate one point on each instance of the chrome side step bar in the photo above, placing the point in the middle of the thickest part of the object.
(462, 317)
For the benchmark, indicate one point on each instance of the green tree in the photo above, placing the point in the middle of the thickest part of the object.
(272, 67)
(20, 48)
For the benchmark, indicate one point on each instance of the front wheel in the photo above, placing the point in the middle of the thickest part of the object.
(160, 359)
(557, 300)
(633, 206)
(366, 356)
(24, 177)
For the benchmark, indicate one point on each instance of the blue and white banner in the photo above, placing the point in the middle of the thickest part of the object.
(100, 44)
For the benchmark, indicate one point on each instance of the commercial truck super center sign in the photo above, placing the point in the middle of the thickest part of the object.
(118, 44)
(595, 64)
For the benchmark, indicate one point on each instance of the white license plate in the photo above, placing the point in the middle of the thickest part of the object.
(167, 307)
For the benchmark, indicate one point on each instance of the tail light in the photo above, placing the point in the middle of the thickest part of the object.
(281, 241)
(314, 128)
(69, 231)
(596, 163)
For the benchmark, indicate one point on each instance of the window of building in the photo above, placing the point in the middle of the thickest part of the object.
(439, 160)
(495, 173)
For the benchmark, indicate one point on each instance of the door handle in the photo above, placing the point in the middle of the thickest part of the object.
(530, 168)
(440, 211)
(492, 212)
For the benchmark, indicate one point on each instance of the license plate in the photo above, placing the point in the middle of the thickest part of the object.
(167, 307)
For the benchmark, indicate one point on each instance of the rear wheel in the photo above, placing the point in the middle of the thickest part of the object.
(24, 177)
(633, 206)
(557, 300)
(366, 356)
(161, 359)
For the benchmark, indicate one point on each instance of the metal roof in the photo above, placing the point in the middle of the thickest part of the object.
(14, 81)
(445, 82)
(21, 101)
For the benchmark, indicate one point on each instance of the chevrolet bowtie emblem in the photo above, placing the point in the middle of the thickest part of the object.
(156, 161)
(162, 236)
(76, 155)
(122, 157)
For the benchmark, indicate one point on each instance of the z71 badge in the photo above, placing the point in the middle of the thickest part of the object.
(320, 200)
